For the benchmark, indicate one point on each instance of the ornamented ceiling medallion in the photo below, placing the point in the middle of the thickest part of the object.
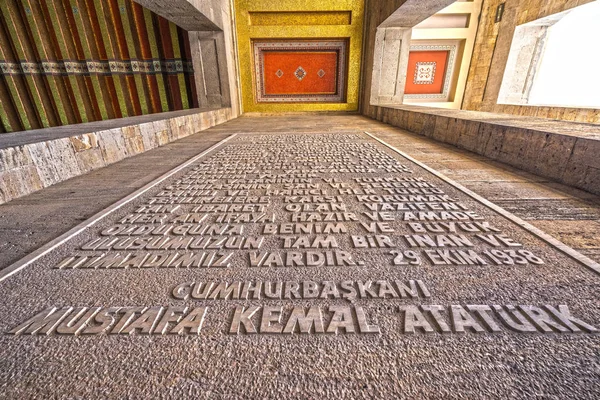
(425, 74)
(300, 73)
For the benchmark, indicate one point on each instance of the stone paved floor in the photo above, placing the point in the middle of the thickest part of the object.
(571, 215)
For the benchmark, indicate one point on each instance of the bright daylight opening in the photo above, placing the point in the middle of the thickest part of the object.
(567, 73)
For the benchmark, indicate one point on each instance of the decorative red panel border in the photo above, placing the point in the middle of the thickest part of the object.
(300, 71)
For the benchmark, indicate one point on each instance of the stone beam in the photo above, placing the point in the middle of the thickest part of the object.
(390, 63)
(191, 15)
(211, 34)
(412, 12)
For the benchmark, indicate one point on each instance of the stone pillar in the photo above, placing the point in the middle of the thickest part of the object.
(211, 32)
(389, 65)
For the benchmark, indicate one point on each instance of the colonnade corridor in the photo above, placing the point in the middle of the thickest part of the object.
(310, 255)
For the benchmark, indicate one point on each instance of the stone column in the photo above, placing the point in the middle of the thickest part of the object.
(211, 32)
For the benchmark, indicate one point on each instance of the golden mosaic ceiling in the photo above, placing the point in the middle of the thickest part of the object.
(293, 21)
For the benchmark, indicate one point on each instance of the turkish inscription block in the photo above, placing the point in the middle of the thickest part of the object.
(279, 250)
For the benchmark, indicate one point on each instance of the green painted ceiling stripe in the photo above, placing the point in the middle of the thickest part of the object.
(18, 102)
(110, 52)
(162, 91)
(129, 38)
(6, 125)
(34, 26)
(77, 87)
(85, 44)
(9, 19)
(180, 76)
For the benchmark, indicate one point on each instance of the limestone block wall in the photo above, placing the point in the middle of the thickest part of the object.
(33, 166)
(567, 152)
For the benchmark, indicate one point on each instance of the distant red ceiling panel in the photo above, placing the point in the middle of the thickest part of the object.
(300, 71)
(426, 72)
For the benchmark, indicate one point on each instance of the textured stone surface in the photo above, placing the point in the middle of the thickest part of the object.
(217, 364)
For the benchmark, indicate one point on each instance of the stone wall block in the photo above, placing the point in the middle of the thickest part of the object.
(483, 136)
(555, 155)
(113, 145)
(90, 160)
(162, 137)
(207, 120)
(196, 123)
(404, 119)
(469, 137)
(395, 117)
(134, 142)
(428, 126)
(591, 180)
(162, 132)
(187, 127)
(130, 131)
(222, 115)
(18, 182)
(84, 142)
(533, 154)
(441, 128)
(148, 136)
(14, 157)
(415, 122)
(55, 160)
(584, 155)
(591, 156)
(455, 128)
(517, 142)
(494, 144)
(173, 124)
(385, 116)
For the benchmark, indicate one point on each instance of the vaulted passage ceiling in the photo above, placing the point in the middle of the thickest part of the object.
(67, 63)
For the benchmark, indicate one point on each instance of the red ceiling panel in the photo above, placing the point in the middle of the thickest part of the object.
(426, 71)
